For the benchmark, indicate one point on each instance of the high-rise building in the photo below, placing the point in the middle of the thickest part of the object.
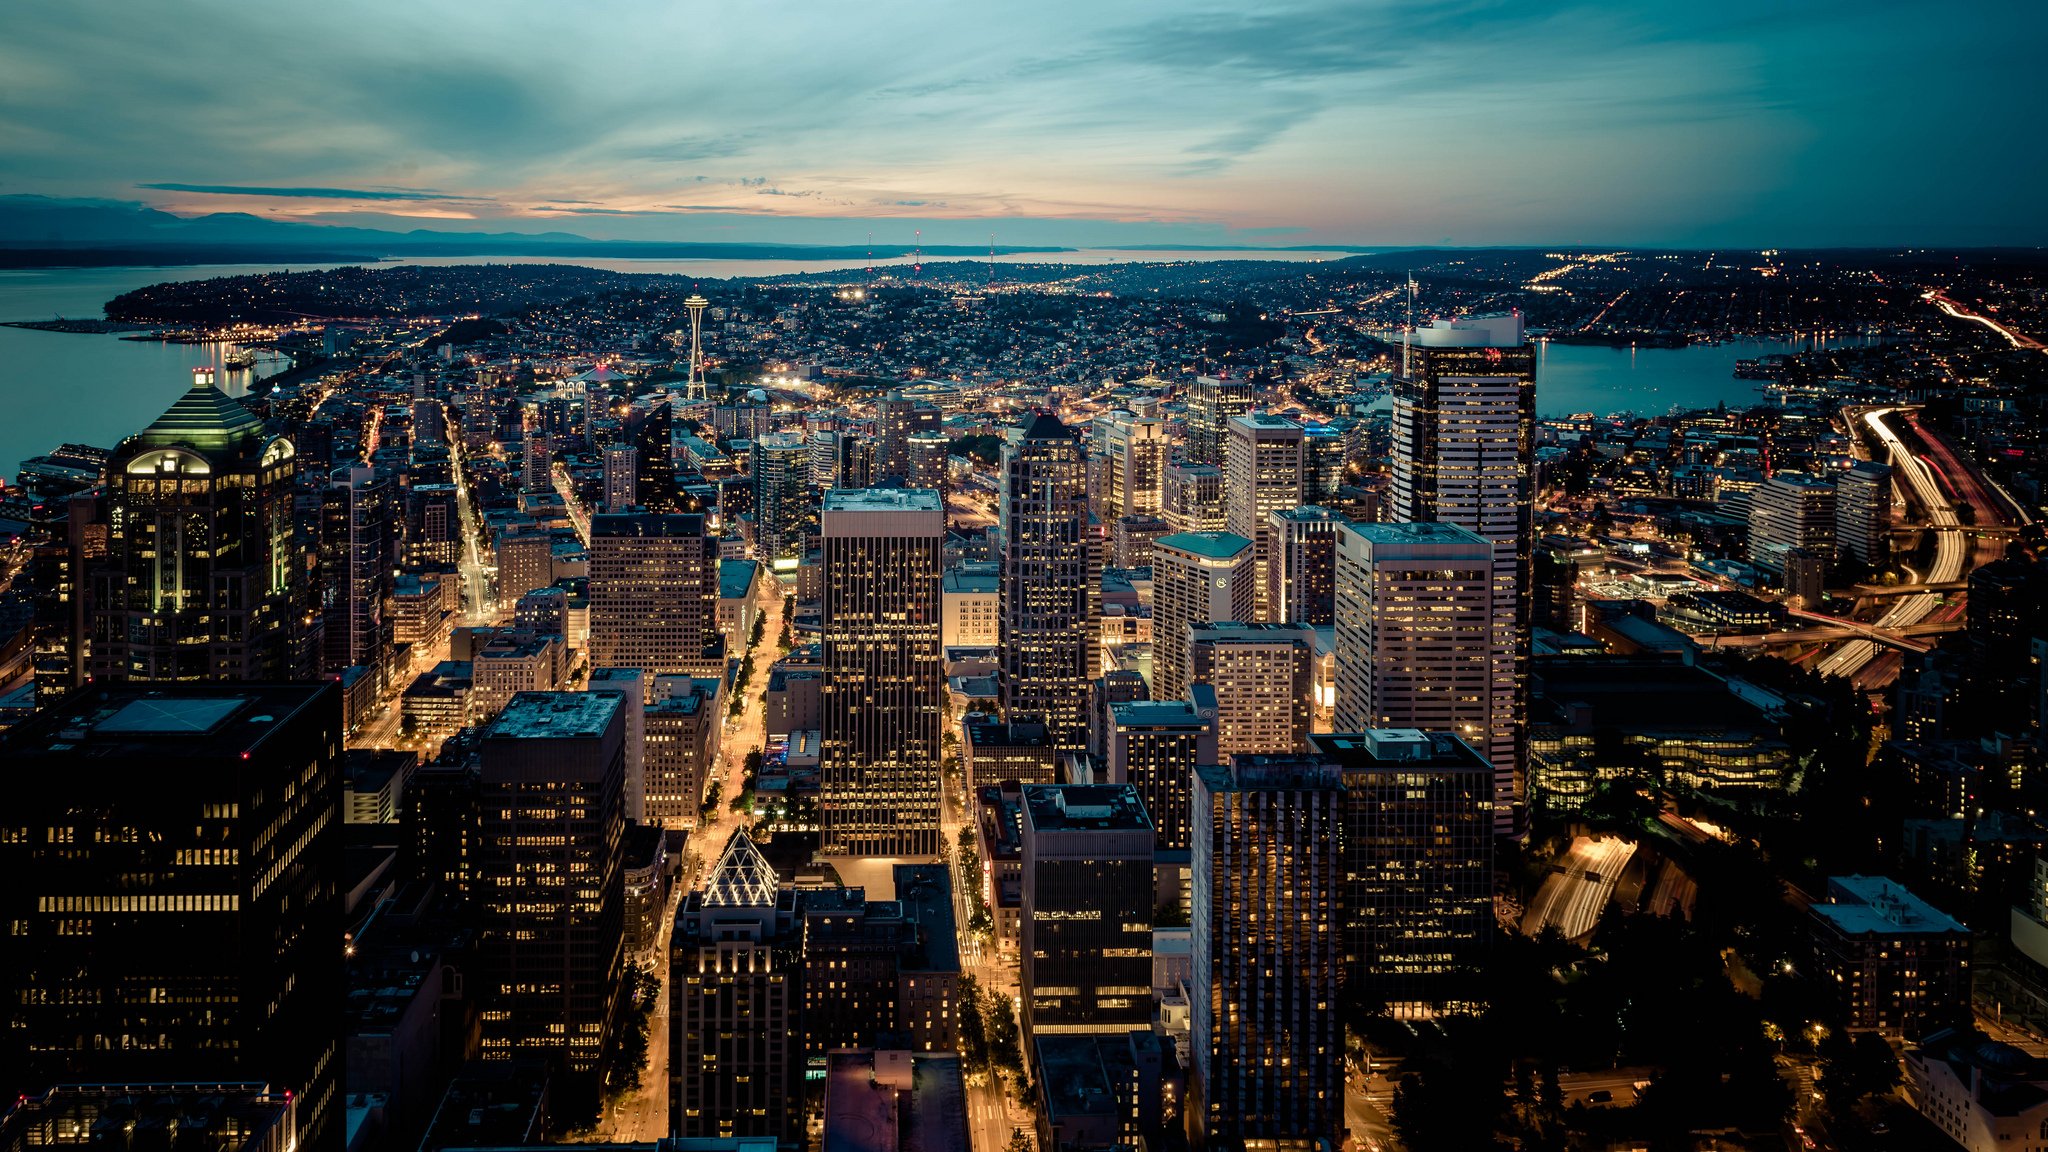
(1197, 578)
(925, 456)
(1191, 497)
(199, 579)
(175, 909)
(1261, 675)
(630, 685)
(1414, 638)
(683, 731)
(781, 475)
(1418, 865)
(1261, 476)
(1134, 452)
(548, 889)
(1265, 1032)
(433, 528)
(1086, 943)
(1464, 453)
(357, 546)
(1325, 450)
(621, 477)
(1863, 512)
(884, 676)
(536, 456)
(897, 418)
(650, 430)
(1301, 565)
(1051, 580)
(1155, 746)
(1212, 403)
(654, 594)
(1790, 511)
(734, 969)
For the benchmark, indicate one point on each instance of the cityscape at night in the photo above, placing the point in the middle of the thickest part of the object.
(1365, 576)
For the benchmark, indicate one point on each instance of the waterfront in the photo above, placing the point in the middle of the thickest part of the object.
(1597, 378)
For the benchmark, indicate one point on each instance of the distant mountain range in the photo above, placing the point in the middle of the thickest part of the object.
(37, 231)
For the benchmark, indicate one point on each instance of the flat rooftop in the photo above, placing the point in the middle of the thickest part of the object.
(211, 721)
(1155, 714)
(1084, 808)
(1860, 905)
(1398, 747)
(882, 500)
(1256, 632)
(555, 716)
(646, 524)
(1211, 545)
(1428, 532)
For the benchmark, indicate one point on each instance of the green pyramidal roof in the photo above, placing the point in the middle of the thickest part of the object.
(204, 417)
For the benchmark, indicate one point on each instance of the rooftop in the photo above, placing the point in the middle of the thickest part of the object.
(1859, 905)
(882, 500)
(1258, 632)
(1084, 808)
(556, 716)
(1427, 532)
(736, 578)
(646, 524)
(1209, 545)
(211, 721)
(1376, 746)
(1155, 714)
(204, 417)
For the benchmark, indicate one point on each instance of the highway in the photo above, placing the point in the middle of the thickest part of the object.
(2016, 339)
(1573, 897)
(1951, 549)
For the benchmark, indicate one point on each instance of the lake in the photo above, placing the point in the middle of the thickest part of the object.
(1573, 378)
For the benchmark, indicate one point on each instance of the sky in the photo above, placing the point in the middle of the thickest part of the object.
(1373, 122)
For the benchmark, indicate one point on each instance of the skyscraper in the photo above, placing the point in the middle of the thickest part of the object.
(1261, 476)
(782, 505)
(1301, 565)
(548, 865)
(1464, 454)
(1266, 1038)
(1197, 578)
(199, 580)
(733, 996)
(630, 686)
(650, 428)
(1414, 637)
(1191, 497)
(1051, 580)
(356, 556)
(1134, 451)
(1155, 745)
(175, 904)
(1863, 512)
(1086, 944)
(536, 456)
(1260, 673)
(621, 477)
(654, 594)
(1418, 865)
(884, 677)
(1212, 402)
(682, 746)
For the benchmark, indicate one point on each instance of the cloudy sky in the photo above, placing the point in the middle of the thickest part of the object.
(1371, 122)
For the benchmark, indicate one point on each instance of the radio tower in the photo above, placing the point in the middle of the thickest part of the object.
(917, 254)
(697, 389)
(991, 259)
(871, 254)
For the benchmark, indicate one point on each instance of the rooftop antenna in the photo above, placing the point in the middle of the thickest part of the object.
(871, 252)
(1408, 332)
(991, 259)
(917, 254)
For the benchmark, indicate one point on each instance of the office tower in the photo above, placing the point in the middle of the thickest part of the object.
(654, 594)
(1265, 1034)
(1086, 945)
(548, 864)
(356, 555)
(1197, 578)
(1554, 579)
(824, 465)
(1863, 513)
(650, 429)
(1051, 580)
(1789, 511)
(526, 561)
(1134, 536)
(536, 456)
(1260, 673)
(897, 418)
(1134, 453)
(1463, 453)
(175, 908)
(733, 996)
(926, 454)
(1414, 639)
(1212, 403)
(884, 683)
(880, 971)
(1191, 497)
(782, 504)
(1261, 476)
(683, 728)
(199, 579)
(513, 662)
(972, 604)
(421, 617)
(1301, 571)
(433, 528)
(630, 686)
(1155, 746)
(1325, 450)
(1418, 865)
(621, 477)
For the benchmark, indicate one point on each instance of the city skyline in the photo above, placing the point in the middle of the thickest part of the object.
(1389, 123)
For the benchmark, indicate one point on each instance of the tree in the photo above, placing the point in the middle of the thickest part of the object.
(1854, 1068)
(973, 1034)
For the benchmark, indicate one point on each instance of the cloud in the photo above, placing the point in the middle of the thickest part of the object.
(310, 193)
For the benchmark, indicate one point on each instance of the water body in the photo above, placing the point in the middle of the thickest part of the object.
(1573, 378)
